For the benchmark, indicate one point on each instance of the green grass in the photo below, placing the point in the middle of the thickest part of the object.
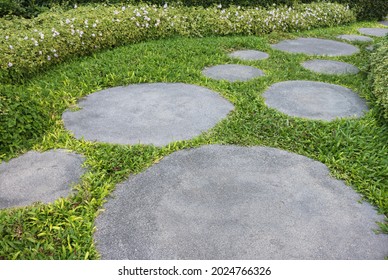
(355, 150)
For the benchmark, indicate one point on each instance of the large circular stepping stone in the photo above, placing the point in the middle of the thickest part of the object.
(330, 67)
(249, 55)
(314, 100)
(38, 177)
(313, 46)
(378, 32)
(156, 114)
(229, 202)
(355, 38)
(232, 72)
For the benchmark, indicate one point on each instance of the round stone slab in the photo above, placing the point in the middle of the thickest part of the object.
(156, 114)
(38, 177)
(313, 46)
(330, 67)
(355, 38)
(378, 32)
(229, 202)
(249, 55)
(314, 100)
(232, 72)
(384, 22)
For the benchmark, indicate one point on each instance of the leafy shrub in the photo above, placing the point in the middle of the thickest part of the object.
(378, 76)
(29, 45)
(21, 115)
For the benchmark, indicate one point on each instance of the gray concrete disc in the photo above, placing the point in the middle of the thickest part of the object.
(384, 22)
(314, 100)
(156, 114)
(249, 55)
(229, 202)
(38, 177)
(313, 46)
(232, 72)
(378, 32)
(355, 38)
(330, 67)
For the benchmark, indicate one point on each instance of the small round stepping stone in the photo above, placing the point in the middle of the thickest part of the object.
(330, 67)
(38, 177)
(249, 55)
(228, 202)
(156, 113)
(232, 72)
(384, 22)
(378, 32)
(313, 46)
(314, 100)
(355, 38)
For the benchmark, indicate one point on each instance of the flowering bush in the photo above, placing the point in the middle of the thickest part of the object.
(29, 45)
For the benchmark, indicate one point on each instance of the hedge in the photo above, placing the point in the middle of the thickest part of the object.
(365, 9)
(378, 76)
(27, 46)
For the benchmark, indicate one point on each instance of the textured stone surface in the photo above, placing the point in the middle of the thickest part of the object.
(38, 177)
(156, 114)
(313, 46)
(330, 67)
(229, 202)
(384, 22)
(232, 72)
(249, 55)
(378, 32)
(355, 38)
(314, 100)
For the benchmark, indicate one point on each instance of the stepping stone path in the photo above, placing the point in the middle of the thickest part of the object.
(314, 100)
(38, 177)
(249, 55)
(230, 202)
(313, 46)
(355, 38)
(330, 67)
(378, 32)
(157, 114)
(232, 72)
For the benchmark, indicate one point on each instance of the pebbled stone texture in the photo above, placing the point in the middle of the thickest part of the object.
(229, 202)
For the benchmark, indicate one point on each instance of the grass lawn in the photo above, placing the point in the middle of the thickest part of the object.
(355, 150)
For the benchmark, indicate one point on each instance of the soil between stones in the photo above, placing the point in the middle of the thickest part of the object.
(229, 202)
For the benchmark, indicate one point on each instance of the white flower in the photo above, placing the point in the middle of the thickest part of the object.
(54, 50)
(94, 25)
(75, 6)
(123, 8)
(6, 37)
(10, 64)
(68, 21)
(93, 35)
(26, 38)
(116, 12)
(10, 47)
(48, 57)
(40, 52)
(86, 22)
(55, 54)
(165, 6)
(219, 6)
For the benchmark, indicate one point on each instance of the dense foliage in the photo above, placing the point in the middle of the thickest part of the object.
(365, 9)
(378, 76)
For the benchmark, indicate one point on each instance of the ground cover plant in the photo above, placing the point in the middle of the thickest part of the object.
(354, 149)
